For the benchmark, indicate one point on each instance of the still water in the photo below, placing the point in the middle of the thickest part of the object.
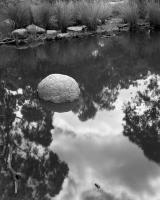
(106, 146)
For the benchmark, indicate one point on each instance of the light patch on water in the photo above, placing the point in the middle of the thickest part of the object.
(95, 53)
(105, 123)
(97, 152)
(116, 165)
(101, 43)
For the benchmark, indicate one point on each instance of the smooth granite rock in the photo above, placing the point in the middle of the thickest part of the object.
(58, 88)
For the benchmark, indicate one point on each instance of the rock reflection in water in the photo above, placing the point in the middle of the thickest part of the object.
(28, 168)
(142, 119)
(120, 61)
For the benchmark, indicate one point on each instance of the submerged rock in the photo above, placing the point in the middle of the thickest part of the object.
(33, 29)
(20, 33)
(58, 88)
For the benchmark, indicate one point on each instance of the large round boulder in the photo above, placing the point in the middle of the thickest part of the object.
(58, 88)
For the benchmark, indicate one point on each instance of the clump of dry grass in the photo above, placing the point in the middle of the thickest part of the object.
(130, 14)
(153, 10)
(42, 14)
(64, 12)
(59, 14)
(105, 11)
(90, 13)
(19, 12)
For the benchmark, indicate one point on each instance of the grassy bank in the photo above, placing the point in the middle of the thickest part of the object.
(61, 14)
(147, 10)
(57, 15)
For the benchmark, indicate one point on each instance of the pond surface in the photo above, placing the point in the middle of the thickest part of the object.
(104, 147)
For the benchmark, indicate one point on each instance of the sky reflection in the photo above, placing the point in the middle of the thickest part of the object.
(97, 153)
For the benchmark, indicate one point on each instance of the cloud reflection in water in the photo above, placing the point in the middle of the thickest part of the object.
(99, 153)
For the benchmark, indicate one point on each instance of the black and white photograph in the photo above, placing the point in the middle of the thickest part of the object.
(79, 99)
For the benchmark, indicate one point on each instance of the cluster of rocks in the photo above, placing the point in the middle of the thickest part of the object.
(32, 29)
(33, 33)
(25, 37)
(23, 33)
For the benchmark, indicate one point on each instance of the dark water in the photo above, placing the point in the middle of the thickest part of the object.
(106, 146)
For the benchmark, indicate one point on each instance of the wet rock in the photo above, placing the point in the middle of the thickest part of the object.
(77, 28)
(58, 88)
(9, 41)
(123, 27)
(143, 24)
(63, 35)
(51, 34)
(20, 33)
(33, 29)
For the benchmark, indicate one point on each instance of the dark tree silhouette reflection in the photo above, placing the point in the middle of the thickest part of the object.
(117, 62)
(28, 168)
(142, 119)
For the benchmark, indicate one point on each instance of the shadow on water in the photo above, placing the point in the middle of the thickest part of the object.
(102, 67)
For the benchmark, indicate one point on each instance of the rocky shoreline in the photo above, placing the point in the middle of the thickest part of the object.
(33, 36)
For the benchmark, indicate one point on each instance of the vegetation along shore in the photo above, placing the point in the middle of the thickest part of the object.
(26, 22)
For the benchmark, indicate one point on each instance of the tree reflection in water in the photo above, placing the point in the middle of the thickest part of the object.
(142, 119)
(28, 168)
(120, 60)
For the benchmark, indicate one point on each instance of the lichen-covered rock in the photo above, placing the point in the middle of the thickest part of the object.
(33, 29)
(20, 33)
(58, 88)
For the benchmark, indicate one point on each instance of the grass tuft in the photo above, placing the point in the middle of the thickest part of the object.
(130, 14)
(153, 9)
(19, 12)
(63, 12)
(105, 11)
(88, 13)
(42, 14)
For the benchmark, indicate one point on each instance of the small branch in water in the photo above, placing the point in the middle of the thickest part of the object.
(15, 175)
(18, 117)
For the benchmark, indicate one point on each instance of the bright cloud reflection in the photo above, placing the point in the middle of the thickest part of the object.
(98, 154)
